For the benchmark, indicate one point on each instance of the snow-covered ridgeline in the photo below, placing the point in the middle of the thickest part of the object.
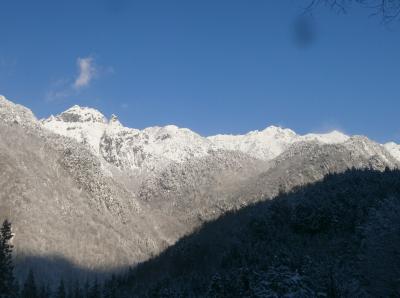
(125, 147)
(154, 147)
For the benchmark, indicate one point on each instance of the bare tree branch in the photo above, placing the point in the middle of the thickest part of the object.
(388, 10)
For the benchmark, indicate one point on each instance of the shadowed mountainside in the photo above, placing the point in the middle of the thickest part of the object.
(335, 238)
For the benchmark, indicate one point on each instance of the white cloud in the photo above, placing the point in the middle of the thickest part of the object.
(87, 71)
(64, 88)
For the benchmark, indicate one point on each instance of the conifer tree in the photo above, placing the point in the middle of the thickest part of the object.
(16, 289)
(110, 288)
(30, 290)
(77, 290)
(95, 290)
(7, 283)
(45, 291)
(61, 293)
(216, 287)
(86, 289)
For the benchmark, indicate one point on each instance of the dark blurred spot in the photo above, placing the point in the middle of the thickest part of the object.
(304, 31)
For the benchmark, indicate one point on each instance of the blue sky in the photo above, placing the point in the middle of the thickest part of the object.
(215, 66)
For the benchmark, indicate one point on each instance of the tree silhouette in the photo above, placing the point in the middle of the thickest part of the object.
(95, 290)
(86, 289)
(77, 290)
(110, 288)
(45, 291)
(30, 289)
(61, 290)
(389, 10)
(7, 283)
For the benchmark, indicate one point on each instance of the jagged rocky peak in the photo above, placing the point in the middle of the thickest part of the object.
(82, 114)
(114, 120)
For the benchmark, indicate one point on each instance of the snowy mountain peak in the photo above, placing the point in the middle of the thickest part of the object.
(279, 133)
(278, 130)
(332, 137)
(81, 114)
(273, 131)
(265, 144)
(155, 147)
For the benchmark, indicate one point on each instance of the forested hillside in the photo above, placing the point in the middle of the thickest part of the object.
(336, 238)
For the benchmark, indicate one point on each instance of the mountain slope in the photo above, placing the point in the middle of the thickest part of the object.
(207, 187)
(308, 162)
(335, 238)
(63, 205)
(103, 196)
(198, 190)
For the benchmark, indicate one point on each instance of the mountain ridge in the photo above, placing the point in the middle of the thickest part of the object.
(84, 183)
(114, 142)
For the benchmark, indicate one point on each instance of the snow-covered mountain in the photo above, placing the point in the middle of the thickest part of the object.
(394, 149)
(177, 169)
(272, 141)
(78, 179)
(154, 148)
(128, 148)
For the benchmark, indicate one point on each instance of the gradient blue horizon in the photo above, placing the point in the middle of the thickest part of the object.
(212, 66)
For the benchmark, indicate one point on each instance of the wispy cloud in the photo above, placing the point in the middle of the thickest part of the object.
(329, 126)
(87, 71)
